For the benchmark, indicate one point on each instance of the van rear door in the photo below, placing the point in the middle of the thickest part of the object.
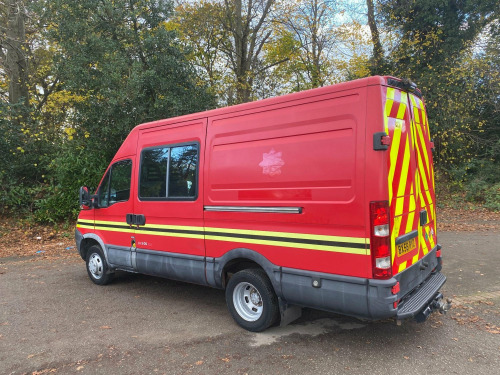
(424, 177)
(410, 179)
(402, 184)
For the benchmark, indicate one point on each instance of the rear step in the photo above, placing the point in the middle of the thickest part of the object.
(423, 299)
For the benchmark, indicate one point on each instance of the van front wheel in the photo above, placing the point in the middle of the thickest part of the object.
(97, 267)
(251, 300)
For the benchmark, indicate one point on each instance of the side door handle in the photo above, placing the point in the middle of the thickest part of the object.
(132, 219)
(140, 220)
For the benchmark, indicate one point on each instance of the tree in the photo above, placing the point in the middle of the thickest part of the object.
(118, 65)
(248, 24)
(200, 29)
(13, 51)
(312, 24)
(378, 51)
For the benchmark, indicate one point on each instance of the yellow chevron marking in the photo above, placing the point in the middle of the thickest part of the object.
(409, 223)
(422, 175)
(394, 234)
(430, 211)
(415, 259)
(396, 138)
(424, 147)
(412, 199)
(402, 267)
(403, 178)
(412, 100)
(417, 117)
(401, 111)
(390, 92)
(388, 106)
(431, 238)
(424, 245)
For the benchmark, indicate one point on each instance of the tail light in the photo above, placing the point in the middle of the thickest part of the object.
(380, 247)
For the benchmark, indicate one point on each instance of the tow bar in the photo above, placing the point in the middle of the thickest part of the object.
(436, 303)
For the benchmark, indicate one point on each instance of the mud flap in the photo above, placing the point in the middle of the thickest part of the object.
(288, 313)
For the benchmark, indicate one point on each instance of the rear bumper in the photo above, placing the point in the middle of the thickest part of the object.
(421, 298)
(367, 298)
(78, 240)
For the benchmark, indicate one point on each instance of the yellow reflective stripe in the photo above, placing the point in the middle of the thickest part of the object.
(181, 227)
(415, 259)
(304, 236)
(111, 222)
(291, 244)
(87, 226)
(123, 230)
(85, 221)
(171, 234)
(217, 234)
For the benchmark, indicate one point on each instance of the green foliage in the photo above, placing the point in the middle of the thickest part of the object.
(106, 66)
(450, 50)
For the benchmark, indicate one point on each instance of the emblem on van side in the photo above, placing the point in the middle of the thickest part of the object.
(271, 163)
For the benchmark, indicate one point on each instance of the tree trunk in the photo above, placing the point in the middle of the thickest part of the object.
(16, 63)
(245, 26)
(378, 53)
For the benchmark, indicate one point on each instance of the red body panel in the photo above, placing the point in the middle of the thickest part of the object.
(310, 151)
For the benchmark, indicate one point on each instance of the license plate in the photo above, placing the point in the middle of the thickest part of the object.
(406, 246)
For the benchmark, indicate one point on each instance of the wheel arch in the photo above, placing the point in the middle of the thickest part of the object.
(243, 258)
(89, 240)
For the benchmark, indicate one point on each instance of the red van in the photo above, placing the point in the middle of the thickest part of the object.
(322, 199)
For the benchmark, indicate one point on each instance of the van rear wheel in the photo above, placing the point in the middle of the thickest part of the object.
(251, 300)
(97, 268)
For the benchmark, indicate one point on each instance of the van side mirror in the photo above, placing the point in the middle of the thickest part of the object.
(85, 199)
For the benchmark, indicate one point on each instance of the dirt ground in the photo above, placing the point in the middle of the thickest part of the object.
(54, 320)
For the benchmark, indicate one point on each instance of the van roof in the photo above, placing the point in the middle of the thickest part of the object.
(129, 145)
(363, 82)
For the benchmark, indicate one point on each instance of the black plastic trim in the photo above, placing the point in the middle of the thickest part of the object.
(405, 85)
(377, 141)
(406, 237)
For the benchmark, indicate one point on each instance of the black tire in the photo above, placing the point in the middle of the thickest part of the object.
(97, 268)
(251, 300)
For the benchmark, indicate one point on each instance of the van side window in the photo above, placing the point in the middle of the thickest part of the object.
(116, 184)
(169, 172)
